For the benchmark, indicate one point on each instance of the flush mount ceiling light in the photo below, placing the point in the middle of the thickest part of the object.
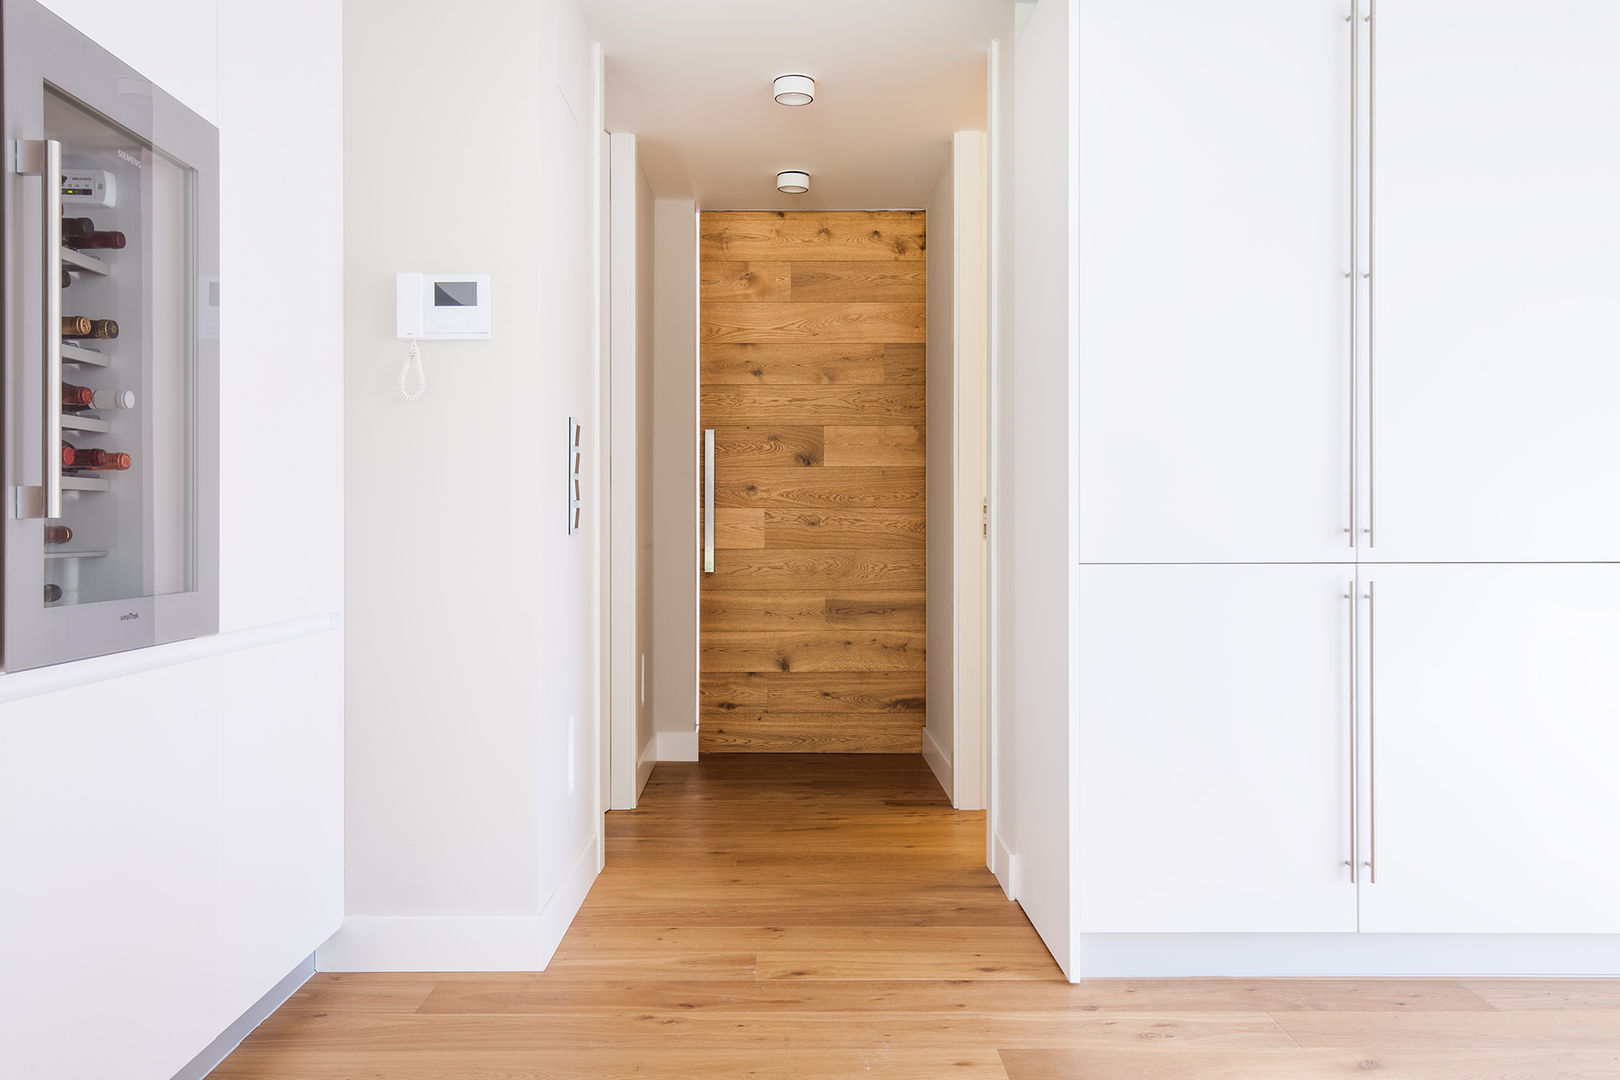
(793, 182)
(794, 89)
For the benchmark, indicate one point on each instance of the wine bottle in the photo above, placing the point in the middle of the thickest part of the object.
(97, 399)
(86, 458)
(77, 226)
(81, 326)
(112, 239)
(101, 459)
(67, 278)
(77, 397)
(53, 593)
(69, 455)
(58, 534)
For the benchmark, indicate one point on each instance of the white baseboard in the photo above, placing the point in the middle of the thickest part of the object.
(940, 762)
(1151, 956)
(1003, 864)
(644, 765)
(464, 943)
(678, 745)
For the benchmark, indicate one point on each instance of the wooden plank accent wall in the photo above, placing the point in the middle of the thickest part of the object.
(811, 339)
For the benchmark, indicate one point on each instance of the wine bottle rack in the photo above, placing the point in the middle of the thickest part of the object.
(72, 422)
(85, 483)
(55, 555)
(78, 354)
(74, 259)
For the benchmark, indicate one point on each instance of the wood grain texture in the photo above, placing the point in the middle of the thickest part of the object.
(812, 350)
(820, 916)
(834, 236)
(797, 364)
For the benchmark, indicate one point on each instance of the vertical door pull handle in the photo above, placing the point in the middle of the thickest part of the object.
(708, 500)
(44, 157)
(1355, 787)
(1372, 244)
(1372, 735)
(1355, 251)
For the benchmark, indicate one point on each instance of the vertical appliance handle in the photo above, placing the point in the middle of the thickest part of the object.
(708, 500)
(1355, 246)
(1354, 862)
(1372, 243)
(43, 157)
(1372, 735)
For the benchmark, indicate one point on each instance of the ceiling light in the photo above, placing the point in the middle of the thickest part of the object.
(794, 89)
(793, 182)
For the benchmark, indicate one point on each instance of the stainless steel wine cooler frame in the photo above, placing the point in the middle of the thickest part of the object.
(42, 54)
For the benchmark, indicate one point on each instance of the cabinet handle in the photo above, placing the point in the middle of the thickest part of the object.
(1371, 275)
(1372, 735)
(708, 500)
(45, 158)
(1355, 250)
(1355, 786)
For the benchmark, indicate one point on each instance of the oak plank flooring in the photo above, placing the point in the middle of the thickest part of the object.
(809, 917)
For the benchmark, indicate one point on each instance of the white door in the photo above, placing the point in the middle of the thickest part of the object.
(1496, 271)
(1214, 296)
(1215, 749)
(1491, 705)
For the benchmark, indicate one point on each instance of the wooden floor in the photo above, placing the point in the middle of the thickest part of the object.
(829, 916)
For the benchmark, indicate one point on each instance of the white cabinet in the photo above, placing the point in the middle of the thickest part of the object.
(1214, 741)
(1491, 723)
(1214, 253)
(1495, 141)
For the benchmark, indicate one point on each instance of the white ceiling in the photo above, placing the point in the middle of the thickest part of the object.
(894, 79)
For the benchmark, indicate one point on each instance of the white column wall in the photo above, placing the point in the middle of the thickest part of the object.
(171, 819)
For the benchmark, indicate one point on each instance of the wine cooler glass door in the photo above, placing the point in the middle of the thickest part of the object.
(111, 350)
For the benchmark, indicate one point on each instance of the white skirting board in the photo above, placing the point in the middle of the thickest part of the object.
(940, 762)
(463, 943)
(644, 765)
(1118, 956)
(678, 745)
(1003, 865)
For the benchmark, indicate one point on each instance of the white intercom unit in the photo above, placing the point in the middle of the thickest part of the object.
(443, 307)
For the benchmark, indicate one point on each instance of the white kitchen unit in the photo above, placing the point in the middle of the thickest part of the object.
(1215, 748)
(1495, 258)
(1442, 433)
(1490, 713)
(1215, 196)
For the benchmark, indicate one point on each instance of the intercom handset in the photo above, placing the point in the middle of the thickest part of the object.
(438, 307)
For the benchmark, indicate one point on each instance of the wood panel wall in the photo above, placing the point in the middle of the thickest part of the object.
(811, 338)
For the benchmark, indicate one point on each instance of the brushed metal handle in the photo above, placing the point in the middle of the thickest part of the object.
(1355, 252)
(44, 157)
(1371, 277)
(708, 500)
(1355, 761)
(1372, 736)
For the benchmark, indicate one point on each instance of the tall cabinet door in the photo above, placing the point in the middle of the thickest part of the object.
(1216, 784)
(1496, 281)
(1214, 266)
(1492, 719)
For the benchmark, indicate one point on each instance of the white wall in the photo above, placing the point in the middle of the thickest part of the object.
(675, 447)
(939, 732)
(473, 681)
(1036, 403)
(173, 832)
(630, 481)
(957, 272)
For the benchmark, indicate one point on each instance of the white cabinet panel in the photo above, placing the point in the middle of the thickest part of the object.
(1492, 710)
(1214, 321)
(1215, 786)
(1497, 281)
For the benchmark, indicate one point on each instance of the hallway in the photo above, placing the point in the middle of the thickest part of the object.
(823, 916)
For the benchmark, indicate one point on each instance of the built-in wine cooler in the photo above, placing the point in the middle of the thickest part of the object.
(111, 339)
